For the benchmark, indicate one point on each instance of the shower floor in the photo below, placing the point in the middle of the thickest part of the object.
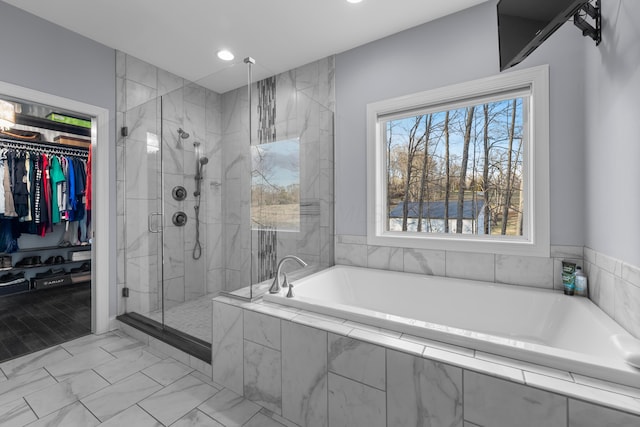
(191, 317)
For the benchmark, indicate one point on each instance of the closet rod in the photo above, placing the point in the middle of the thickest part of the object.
(44, 147)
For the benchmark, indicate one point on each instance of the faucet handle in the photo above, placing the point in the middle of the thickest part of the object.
(290, 292)
(285, 282)
(275, 286)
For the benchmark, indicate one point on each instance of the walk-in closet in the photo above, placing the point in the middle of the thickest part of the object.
(45, 226)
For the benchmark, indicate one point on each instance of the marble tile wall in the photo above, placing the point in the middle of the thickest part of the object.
(615, 287)
(304, 106)
(507, 269)
(153, 104)
(315, 371)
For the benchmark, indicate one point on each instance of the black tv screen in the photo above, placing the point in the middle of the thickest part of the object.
(524, 24)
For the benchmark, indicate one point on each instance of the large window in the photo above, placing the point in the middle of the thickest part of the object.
(463, 167)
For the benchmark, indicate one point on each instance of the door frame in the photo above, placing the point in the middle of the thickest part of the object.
(102, 275)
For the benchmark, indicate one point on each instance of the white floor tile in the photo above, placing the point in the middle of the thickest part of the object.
(72, 415)
(196, 418)
(16, 414)
(111, 400)
(57, 396)
(22, 385)
(176, 400)
(130, 363)
(134, 417)
(33, 361)
(167, 371)
(77, 364)
(229, 408)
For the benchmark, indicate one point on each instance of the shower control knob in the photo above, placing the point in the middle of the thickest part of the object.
(179, 193)
(179, 219)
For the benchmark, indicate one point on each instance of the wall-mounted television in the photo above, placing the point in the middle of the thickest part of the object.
(523, 25)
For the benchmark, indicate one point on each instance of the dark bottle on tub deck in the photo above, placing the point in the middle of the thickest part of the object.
(569, 277)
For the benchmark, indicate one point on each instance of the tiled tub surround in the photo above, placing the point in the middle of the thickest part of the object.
(614, 285)
(531, 324)
(317, 370)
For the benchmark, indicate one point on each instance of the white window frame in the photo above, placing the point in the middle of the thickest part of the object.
(536, 238)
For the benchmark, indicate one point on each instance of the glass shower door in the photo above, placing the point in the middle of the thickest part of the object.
(143, 210)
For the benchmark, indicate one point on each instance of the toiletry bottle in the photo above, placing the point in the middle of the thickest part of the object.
(568, 277)
(580, 282)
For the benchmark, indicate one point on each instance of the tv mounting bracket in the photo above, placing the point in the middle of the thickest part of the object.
(588, 29)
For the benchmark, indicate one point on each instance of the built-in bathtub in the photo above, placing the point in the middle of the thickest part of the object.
(535, 325)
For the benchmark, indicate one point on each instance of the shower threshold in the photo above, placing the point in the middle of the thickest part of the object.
(189, 344)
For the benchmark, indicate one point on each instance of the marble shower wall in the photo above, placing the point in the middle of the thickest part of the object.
(304, 109)
(153, 104)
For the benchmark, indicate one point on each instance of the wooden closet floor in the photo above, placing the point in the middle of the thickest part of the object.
(36, 320)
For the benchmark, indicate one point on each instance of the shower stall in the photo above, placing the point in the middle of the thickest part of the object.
(216, 185)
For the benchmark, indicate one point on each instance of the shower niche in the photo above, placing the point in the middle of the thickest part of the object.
(214, 188)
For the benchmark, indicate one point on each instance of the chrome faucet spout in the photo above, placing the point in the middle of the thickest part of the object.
(276, 286)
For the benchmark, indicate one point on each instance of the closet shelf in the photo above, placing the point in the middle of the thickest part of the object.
(76, 248)
(45, 265)
(24, 119)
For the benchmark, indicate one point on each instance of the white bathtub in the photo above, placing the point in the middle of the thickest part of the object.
(534, 325)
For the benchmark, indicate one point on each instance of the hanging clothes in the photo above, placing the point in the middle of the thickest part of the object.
(9, 207)
(20, 193)
(57, 178)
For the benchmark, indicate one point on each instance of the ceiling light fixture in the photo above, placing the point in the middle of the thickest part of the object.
(354, 1)
(225, 55)
(7, 115)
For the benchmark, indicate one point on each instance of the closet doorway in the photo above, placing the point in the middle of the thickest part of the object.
(48, 217)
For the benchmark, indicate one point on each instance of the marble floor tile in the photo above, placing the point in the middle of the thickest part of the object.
(122, 346)
(130, 363)
(33, 361)
(277, 418)
(134, 416)
(260, 420)
(196, 418)
(22, 385)
(16, 413)
(229, 409)
(72, 415)
(77, 364)
(57, 396)
(91, 342)
(111, 400)
(167, 371)
(174, 401)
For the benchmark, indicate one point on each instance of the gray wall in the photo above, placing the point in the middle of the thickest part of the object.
(43, 56)
(613, 134)
(456, 49)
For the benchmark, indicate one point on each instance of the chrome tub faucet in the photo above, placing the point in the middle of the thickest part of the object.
(276, 286)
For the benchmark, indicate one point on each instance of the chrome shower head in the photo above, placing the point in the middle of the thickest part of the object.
(183, 134)
(204, 160)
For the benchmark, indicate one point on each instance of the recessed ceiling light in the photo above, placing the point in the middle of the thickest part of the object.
(225, 55)
(354, 1)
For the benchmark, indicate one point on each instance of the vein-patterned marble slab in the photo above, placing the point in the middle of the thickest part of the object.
(134, 416)
(196, 418)
(304, 377)
(57, 396)
(352, 404)
(357, 360)
(72, 415)
(229, 409)
(22, 385)
(493, 402)
(262, 376)
(130, 363)
(227, 346)
(79, 363)
(33, 361)
(422, 392)
(111, 400)
(177, 399)
(260, 420)
(16, 413)
(262, 329)
(583, 414)
(167, 371)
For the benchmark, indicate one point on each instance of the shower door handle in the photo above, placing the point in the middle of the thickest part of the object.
(157, 229)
